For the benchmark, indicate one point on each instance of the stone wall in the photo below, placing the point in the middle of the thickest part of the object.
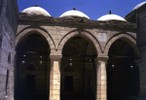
(59, 30)
(141, 42)
(8, 25)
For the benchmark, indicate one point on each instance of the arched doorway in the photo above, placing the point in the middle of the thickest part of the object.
(32, 68)
(122, 72)
(78, 76)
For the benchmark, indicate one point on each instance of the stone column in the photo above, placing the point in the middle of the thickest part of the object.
(101, 81)
(54, 93)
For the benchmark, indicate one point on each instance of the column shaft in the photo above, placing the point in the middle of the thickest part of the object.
(101, 91)
(55, 78)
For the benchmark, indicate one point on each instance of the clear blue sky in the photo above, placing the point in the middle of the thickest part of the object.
(93, 8)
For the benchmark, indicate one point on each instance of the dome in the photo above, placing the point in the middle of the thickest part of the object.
(108, 17)
(36, 11)
(74, 13)
(139, 5)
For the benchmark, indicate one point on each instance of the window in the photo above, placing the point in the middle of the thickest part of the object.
(68, 83)
(9, 58)
(7, 81)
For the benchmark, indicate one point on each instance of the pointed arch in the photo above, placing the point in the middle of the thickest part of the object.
(126, 37)
(85, 34)
(39, 31)
(33, 46)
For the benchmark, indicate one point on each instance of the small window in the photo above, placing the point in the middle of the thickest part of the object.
(68, 83)
(30, 83)
(9, 58)
(7, 81)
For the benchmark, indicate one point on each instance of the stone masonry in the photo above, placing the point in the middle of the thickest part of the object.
(8, 26)
(57, 32)
(138, 16)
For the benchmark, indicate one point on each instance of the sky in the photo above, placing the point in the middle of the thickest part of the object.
(93, 8)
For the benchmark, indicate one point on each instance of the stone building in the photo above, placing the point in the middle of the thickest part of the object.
(138, 16)
(8, 28)
(71, 57)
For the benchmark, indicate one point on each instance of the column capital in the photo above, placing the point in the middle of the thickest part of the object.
(103, 58)
(56, 57)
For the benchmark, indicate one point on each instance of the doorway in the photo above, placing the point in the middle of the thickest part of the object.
(122, 72)
(32, 68)
(78, 77)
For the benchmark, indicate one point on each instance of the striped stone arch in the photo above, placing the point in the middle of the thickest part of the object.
(85, 34)
(28, 31)
(126, 37)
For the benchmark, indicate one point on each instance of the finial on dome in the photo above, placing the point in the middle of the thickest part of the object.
(110, 12)
(36, 5)
(74, 8)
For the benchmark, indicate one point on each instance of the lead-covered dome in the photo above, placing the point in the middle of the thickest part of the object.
(36, 11)
(139, 5)
(75, 13)
(109, 17)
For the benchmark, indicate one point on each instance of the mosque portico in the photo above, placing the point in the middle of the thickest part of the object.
(71, 57)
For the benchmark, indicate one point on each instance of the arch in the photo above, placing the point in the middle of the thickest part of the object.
(126, 37)
(85, 34)
(78, 65)
(32, 48)
(27, 31)
(122, 68)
